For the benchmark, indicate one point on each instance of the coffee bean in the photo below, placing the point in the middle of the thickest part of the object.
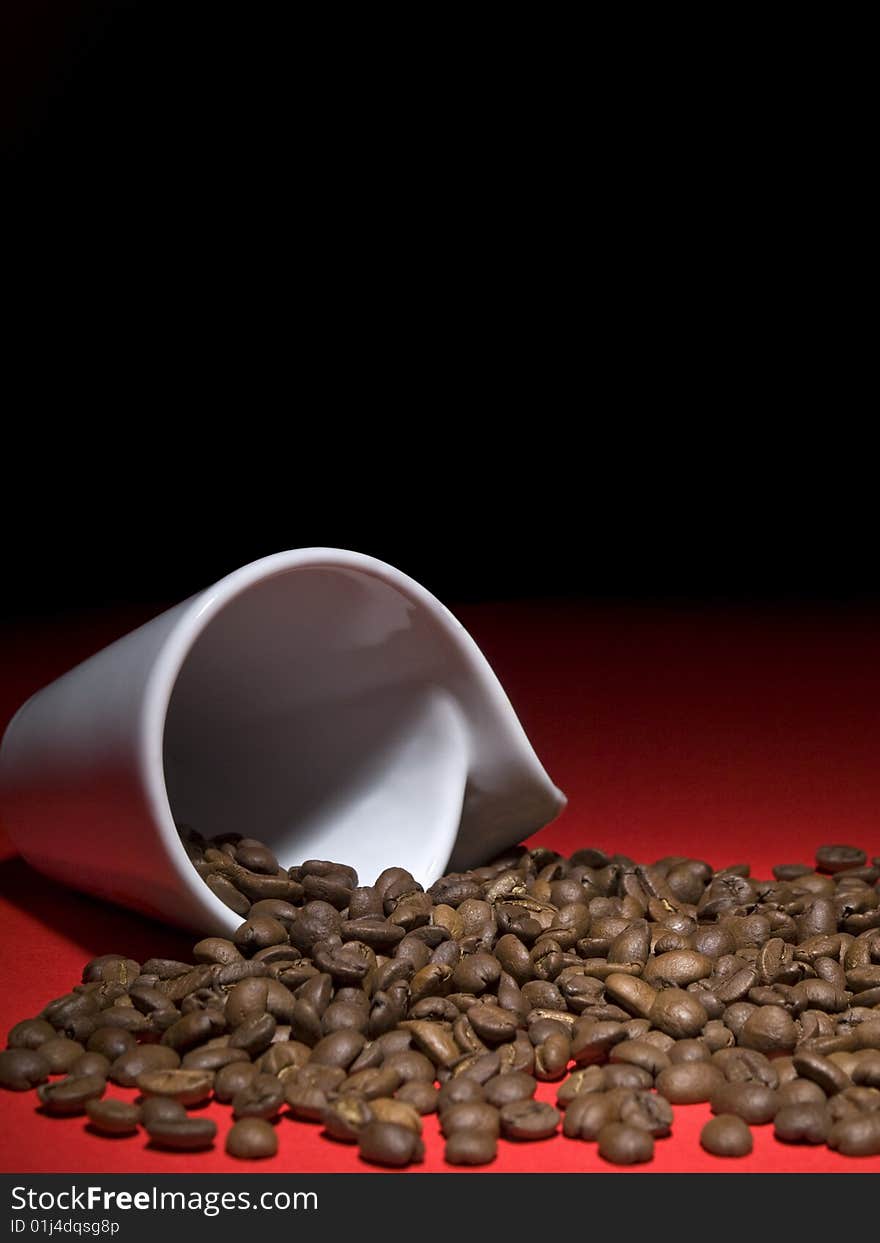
(632, 994)
(339, 1049)
(410, 1064)
(821, 1070)
(856, 1136)
(769, 1029)
(753, 1102)
(471, 1148)
(22, 1068)
(470, 1116)
(587, 1114)
(387, 1109)
(30, 1034)
(687, 1083)
(91, 1064)
(420, 1095)
(386, 1143)
(678, 1014)
(689, 1051)
(622, 1144)
(641, 1053)
(189, 1087)
(251, 1139)
(678, 968)
(157, 1109)
(61, 1054)
(837, 858)
(261, 1097)
(648, 1110)
(113, 1117)
(213, 1058)
(345, 1117)
(726, 1136)
(800, 1092)
(802, 1122)
(69, 1096)
(186, 1134)
(138, 1061)
(503, 1089)
(622, 1075)
(529, 1119)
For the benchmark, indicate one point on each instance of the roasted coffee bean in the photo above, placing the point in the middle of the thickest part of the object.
(529, 1119)
(802, 1122)
(821, 1070)
(22, 1068)
(726, 1136)
(648, 1110)
(753, 1102)
(689, 1051)
(61, 1054)
(769, 1029)
(186, 1134)
(622, 1144)
(379, 1081)
(161, 1109)
(470, 1116)
(471, 1148)
(387, 1109)
(422, 1096)
(386, 1143)
(223, 888)
(30, 1034)
(261, 1097)
(504, 1089)
(345, 1117)
(632, 994)
(251, 1139)
(461, 1090)
(678, 1014)
(233, 1078)
(213, 1057)
(91, 1064)
(678, 968)
(641, 1053)
(338, 1049)
(69, 1096)
(838, 858)
(746, 1066)
(253, 1036)
(189, 1087)
(410, 1064)
(587, 1114)
(144, 1057)
(800, 1092)
(856, 1136)
(216, 949)
(686, 1083)
(621, 1075)
(113, 1117)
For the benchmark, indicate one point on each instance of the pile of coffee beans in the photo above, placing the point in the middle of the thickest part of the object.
(363, 1008)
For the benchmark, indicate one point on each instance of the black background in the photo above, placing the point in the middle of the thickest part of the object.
(265, 294)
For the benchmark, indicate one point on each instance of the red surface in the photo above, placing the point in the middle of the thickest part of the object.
(731, 735)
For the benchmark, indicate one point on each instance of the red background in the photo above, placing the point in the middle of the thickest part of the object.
(735, 735)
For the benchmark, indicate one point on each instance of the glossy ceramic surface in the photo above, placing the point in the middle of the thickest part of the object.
(317, 699)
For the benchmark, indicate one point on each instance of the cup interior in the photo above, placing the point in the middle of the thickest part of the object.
(312, 710)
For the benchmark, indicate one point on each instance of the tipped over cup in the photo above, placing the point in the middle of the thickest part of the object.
(317, 699)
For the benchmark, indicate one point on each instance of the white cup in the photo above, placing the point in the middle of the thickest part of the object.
(317, 699)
